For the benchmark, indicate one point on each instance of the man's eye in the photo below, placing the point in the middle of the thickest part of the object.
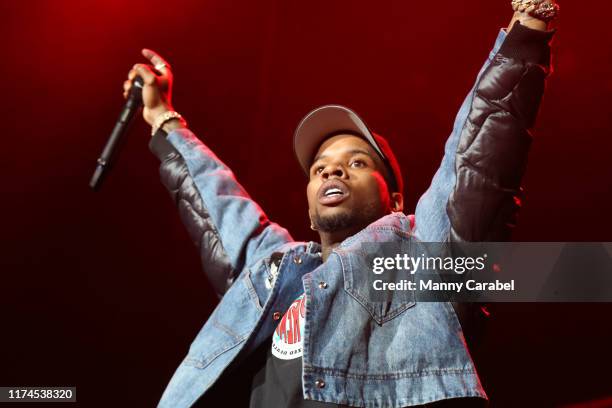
(318, 170)
(358, 163)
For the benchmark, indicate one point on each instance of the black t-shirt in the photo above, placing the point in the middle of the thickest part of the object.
(278, 384)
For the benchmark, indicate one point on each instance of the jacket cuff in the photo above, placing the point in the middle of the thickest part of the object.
(527, 44)
(160, 146)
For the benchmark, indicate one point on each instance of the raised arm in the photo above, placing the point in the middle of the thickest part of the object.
(229, 229)
(475, 193)
(492, 154)
(431, 221)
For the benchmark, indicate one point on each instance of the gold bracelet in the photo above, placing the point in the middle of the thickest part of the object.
(165, 117)
(542, 9)
(546, 11)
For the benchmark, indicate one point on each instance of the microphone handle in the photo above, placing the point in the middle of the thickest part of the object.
(106, 159)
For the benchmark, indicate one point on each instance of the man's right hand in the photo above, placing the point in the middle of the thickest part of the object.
(157, 89)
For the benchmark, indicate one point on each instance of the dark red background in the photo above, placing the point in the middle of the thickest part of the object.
(104, 290)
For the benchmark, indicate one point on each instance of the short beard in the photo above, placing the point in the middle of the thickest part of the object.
(348, 220)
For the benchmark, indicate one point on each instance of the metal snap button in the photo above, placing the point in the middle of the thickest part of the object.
(320, 383)
(297, 260)
(276, 315)
(323, 285)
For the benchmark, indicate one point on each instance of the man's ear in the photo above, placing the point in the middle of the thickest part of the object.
(397, 202)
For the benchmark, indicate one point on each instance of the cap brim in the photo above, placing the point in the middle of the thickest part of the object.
(323, 122)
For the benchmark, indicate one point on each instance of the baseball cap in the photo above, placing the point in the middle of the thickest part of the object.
(328, 120)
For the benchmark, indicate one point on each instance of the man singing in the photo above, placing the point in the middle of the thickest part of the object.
(323, 343)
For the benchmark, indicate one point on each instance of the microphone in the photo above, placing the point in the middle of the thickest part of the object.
(131, 108)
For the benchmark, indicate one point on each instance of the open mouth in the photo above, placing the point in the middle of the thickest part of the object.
(333, 192)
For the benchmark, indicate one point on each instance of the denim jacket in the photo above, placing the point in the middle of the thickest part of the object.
(355, 352)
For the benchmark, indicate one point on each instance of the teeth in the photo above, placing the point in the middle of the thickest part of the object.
(333, 190)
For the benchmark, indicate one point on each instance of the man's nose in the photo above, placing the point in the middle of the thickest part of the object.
(333, 170)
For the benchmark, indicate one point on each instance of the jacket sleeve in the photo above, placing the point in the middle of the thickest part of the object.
(431, 220)
(491, 156)
(229, 229)
(484, 157)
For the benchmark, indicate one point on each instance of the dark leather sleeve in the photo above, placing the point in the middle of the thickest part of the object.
(175, 177)
(492, 152)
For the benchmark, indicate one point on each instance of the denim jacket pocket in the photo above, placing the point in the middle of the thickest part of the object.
(359, 283)
(227, 327)
(222, 340)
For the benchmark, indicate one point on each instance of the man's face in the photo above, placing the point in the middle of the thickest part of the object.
(347, 187)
